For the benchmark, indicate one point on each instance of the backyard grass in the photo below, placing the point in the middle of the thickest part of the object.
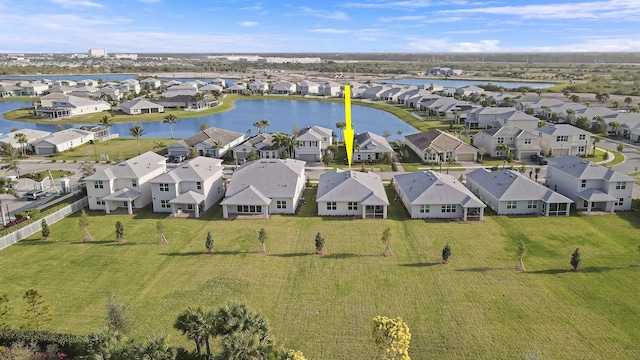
(116, 148)
(476, 308)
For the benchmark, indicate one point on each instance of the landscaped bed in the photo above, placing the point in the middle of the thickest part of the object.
(476, 307)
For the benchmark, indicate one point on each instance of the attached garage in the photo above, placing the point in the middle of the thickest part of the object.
(308, 157)
(466, 157)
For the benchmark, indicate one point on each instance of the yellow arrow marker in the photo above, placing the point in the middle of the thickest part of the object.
(348, 130)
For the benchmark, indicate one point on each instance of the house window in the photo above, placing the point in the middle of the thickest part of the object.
(532, 204)
(98, 184)
(500, 140)
(164, 204)
(583, 183)
(580, 149)
(134, 183)
(527, 141)
(511, 205)
(448, 208)
(582, 137)
(621, 185)
(424, 209)
(331, 205)
(620, 202)
(281, 204)
(562, 138)
(352, 205)
(199, 185)
(164, 187)
(99, 201)
(249, 208)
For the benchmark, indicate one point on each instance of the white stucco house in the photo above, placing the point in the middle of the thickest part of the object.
(591, 186)
(213, 142)
(70, 105)
(61, 141)
(141, 106)
(351, 193)
(312, 142)
(522, 144)
(370, 147)
(507, 192)
(191, 188)
(125, 185)
(435, 146)
(564, 139)
(262, 144)
(32, 135)
(263, 187)
(432, 195)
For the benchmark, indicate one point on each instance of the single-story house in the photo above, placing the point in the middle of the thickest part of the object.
(370, 147)
(434, 146)
(351, 193)
(432, 195)
(508, 192)
(61, 141)
(141, 106)
(264, 187)
(212, 142)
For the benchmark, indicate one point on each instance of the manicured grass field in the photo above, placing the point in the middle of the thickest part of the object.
(477, 307)
(124, 148)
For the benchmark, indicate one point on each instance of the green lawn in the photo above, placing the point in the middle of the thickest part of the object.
(476, 308)
(124, 148)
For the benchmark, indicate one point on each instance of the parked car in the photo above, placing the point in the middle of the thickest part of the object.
(36, 194)
(540, 160)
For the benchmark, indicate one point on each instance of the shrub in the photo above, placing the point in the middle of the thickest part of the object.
(72, 345)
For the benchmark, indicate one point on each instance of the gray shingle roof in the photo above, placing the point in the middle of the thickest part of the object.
(131, 169)
(199, 168)
(273, 178)
(429, 187)
(212, 136)
(369, 141)
(585, 170)
(510, 185)
(340, 185)
(438, 141)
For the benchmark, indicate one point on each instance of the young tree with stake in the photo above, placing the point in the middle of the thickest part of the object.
(120, 232)
(520, 251)
(262, 238)
(446, 254)
(209, 243)
(319, 244)
(575, 260)
(46, 232)
(386, 240)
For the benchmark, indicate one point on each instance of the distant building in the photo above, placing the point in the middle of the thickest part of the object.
(94, 52)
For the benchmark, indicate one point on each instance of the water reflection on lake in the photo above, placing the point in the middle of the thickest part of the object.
(282, 114)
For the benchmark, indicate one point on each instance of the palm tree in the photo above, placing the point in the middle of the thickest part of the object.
(504, 149)
(137, 131)
(595, 140)
(285, 141)
(570, 114)
(616, 104)
(192, 324)
(154, 348)
(11, 164)
(170, 119)
(628, 100)
(107, 122)
(5, 187)
(341, 126)
(615, 125)
(258, 125)
(22, 140)
(265, 123)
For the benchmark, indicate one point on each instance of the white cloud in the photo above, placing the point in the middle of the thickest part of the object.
(330, 31)
(608, 9)
(76, 3)
(248, 23)
(333, 15)
(404, 18)
(446, 45)
(407, 4)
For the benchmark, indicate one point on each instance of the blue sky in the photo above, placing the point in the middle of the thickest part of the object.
(64, 26)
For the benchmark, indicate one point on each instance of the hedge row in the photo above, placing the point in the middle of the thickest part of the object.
(69, 344)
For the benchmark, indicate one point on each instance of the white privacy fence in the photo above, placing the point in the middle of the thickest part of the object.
(36, 226)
